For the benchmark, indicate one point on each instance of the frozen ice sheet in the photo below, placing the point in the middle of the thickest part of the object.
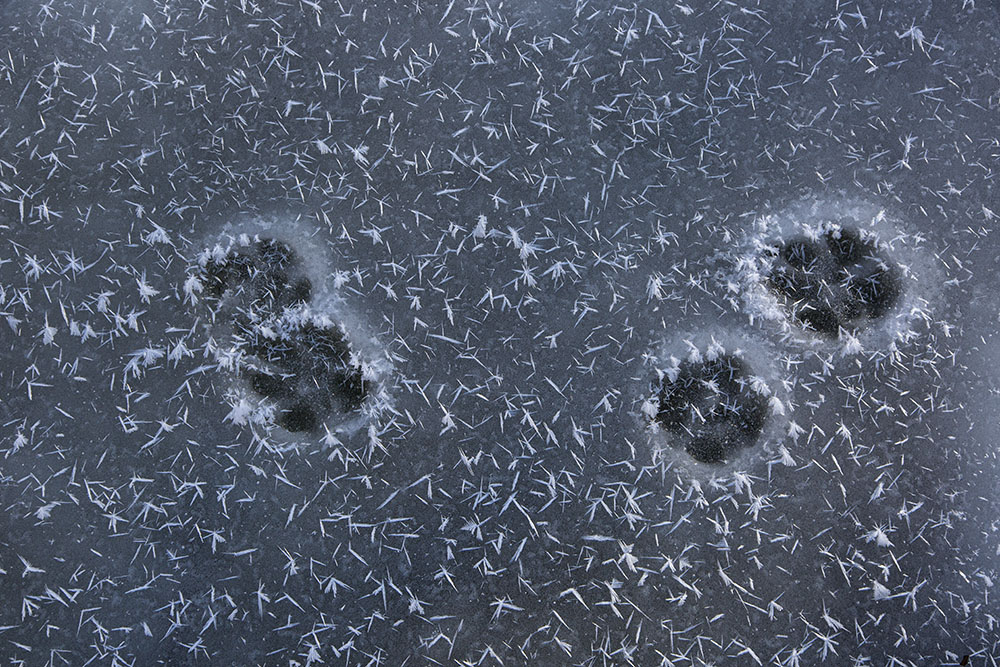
(512, 211)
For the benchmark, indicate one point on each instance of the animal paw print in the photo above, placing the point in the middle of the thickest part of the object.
(839, 281)
(300, 362)
(264, 276)
(305, 366)
(712, 407)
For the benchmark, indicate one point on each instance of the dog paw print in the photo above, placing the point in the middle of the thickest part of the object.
(265, 276)
(305, 366)
(840, 280)
(299, 362)
(713, 408)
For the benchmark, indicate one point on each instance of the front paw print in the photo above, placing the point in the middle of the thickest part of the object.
(838, 281)
(711, 407)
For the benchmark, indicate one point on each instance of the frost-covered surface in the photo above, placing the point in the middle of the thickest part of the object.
(512, 210)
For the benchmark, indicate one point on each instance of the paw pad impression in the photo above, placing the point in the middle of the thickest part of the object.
(840, 280)
(295, 360)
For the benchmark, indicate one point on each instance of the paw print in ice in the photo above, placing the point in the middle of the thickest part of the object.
(841, 280)
(297, 360)
(304, 365)
(265, 276)
(712, 408)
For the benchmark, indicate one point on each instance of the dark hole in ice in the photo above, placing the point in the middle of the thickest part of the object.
(820, 318)
(301, 290)
(800, 254)
(839, 281)
(876, 287)
(298, 418)
(222, 275)
(350, 387)
(272, 284)
(712, 408)
(275, 254)
(707, 449)
(267, 385)
(847, 246)
(329, 343)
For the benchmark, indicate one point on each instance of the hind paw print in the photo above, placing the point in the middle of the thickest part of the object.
(299, 362)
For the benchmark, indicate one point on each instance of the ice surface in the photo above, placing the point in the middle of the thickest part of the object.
(336, 333)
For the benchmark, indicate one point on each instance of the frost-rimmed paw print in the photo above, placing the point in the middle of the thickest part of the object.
(834, 272)
(304, 365)
(713, 406)
(298, 361)
(841, 280)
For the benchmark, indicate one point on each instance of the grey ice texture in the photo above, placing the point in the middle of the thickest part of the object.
(517, 212)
